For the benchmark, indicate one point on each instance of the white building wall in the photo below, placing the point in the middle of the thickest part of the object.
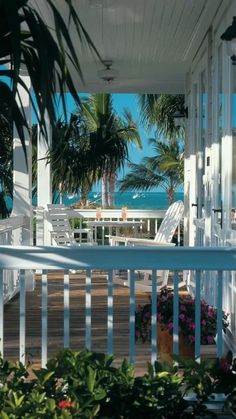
(213, 228)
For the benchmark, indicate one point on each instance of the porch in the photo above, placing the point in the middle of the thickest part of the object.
(86, 310)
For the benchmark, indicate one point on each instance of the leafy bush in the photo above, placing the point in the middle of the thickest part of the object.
(86, 385)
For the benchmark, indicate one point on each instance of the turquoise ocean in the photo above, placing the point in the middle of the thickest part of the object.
(144, 200)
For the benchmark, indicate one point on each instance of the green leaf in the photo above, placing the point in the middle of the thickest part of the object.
(100, 394)
(3, 415)
(51, 404)
(91, 379)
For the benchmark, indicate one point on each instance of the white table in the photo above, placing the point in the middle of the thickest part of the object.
(111, 224)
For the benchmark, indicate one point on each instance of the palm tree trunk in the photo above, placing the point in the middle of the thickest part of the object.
(104, 191)
(170, 194)
(85, 189)
(83, 198)
(111, 196)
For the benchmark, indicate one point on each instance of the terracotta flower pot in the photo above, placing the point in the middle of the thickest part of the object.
(165, 345)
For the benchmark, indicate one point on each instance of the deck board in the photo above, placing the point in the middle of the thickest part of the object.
(77, 320)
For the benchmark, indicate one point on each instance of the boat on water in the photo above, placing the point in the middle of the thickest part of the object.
(138, 195)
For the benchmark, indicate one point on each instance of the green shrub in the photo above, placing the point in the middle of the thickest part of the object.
(86, 385)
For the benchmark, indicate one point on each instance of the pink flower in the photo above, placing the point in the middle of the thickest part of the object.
(191, 339)
(182, 317)
(147, 315)
(182, 307)
(159, 317)
(170, 326)
(192, 325)
(137, 333)
(204, 322)
(210, 339)
(224, 365)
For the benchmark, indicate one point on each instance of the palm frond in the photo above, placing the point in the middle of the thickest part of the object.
(159, 110)
(140, 178)
(27, 40)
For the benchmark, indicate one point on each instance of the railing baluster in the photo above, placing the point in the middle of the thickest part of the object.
(219, 314)
(66, 309)
(44, 317)
(103, 235)
(176, 314)
(198, 317)
(132, 318)
(1, 313)
(155, 228)
(154, 317)
(88, 311)
(22, 316)
(111, 275)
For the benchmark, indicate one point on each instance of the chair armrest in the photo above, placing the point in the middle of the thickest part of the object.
(81, 230)
(138, 241)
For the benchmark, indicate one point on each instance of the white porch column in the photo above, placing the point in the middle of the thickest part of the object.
(44, 186)
(22, 170)
(22, 183)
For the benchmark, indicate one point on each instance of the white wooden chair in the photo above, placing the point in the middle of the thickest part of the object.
(60, 229)
(163, 237)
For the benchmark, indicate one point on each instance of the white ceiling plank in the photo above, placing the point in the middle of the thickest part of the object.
(172, 28)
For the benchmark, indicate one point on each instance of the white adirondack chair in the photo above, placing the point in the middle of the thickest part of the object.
(61, 232)
(163, 237)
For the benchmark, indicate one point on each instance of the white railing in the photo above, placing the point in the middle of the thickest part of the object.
(108, 259)
(11, 230)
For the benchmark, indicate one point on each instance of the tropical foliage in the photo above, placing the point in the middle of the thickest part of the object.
(69, 156)
(86, 385)
(91, 146)
(158, 111)
(164, 169)
(110, 136)
(6, 154)
(47, 55)
(31, 45)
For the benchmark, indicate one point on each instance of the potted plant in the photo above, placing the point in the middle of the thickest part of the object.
(186, 324)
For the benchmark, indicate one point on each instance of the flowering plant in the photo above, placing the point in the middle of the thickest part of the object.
(186, 318)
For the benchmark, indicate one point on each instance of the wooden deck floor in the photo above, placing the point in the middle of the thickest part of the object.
(77, 320)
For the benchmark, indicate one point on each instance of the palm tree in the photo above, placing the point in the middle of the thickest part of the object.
(159, 110)
(164, 169)
(110, 136)
(70, 157)
(26, 40)
(86, 148)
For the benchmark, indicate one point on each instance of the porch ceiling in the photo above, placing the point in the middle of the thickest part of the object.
(151, 42)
